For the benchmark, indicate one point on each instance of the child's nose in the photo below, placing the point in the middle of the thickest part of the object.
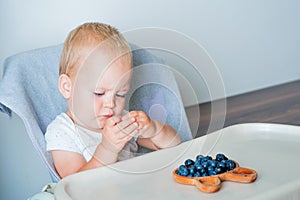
(109, 101)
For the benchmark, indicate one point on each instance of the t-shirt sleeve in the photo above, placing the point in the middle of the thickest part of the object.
(60, 136)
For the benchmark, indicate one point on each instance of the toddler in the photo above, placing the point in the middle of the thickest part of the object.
(94, 78)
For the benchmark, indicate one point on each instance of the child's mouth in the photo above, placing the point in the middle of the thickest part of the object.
(107, 116)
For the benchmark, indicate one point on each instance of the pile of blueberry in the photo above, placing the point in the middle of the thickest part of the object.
(206, 166)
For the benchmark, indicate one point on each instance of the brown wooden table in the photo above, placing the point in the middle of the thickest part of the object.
(277, 104)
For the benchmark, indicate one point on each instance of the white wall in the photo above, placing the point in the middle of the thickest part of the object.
(254, 43)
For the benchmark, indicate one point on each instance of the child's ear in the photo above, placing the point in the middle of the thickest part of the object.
(65, 85)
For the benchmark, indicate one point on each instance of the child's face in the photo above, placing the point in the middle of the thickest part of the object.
(99, 91)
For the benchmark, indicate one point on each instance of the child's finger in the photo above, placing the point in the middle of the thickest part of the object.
(112, 121)
(131, 114)
(134, 113)
(126, 122)
(130, 130)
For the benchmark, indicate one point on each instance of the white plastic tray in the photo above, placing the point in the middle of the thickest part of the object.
(270, 149)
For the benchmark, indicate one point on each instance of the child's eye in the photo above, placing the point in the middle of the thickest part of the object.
(121, 95)
(98, 93)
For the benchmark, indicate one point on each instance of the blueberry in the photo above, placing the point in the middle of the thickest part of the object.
(223, 161)
(197, 162)
(212, 163)
(198, 167)
(221, 165)
(183, 170)
(189, 162)
(178, 172)
(185, 173)
(204, 159)
(210, 168)
(218, 170)
(197, 174)
(208, 157)
(230, 164)
(205, 164)
(192, 170)
(205, 174)
(202, 171)
(220, 157)
(212, 173)
(199, 157)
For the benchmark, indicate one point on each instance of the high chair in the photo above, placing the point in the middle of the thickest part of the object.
(29, 89)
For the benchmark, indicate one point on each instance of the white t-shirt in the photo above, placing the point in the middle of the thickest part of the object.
(63, 134)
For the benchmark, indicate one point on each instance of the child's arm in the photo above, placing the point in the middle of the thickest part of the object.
(116, 133)
(67, 162)
(153, 134)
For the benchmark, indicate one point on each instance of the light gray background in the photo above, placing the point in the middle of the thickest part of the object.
(255, 44)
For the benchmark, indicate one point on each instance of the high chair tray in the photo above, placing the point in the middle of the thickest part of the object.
(272, 150)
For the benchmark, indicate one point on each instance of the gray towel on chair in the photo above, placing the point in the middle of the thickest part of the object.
(29, 88)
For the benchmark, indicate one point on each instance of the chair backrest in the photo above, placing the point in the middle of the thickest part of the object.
(29, 89)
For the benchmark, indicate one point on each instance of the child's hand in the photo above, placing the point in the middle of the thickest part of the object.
(118, 131)
(146, 127)
(152, 133)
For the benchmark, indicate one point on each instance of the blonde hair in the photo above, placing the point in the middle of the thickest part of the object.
(84, 39)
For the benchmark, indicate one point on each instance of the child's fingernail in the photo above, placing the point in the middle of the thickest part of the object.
(133, 119)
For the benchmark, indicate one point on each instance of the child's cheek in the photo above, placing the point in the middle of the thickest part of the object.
(97, 106)
(120, 104)
(82, 107)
